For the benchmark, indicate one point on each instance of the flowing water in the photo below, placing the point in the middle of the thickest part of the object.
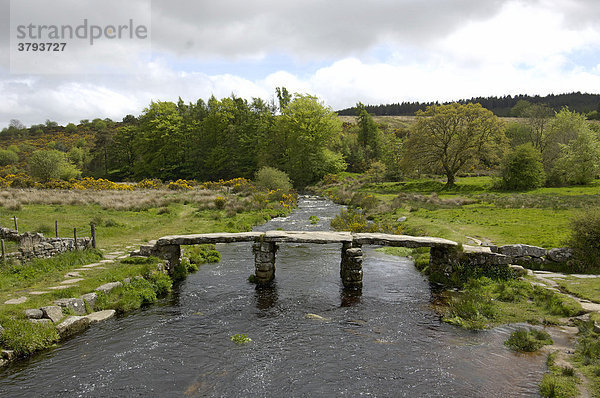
(385, 342)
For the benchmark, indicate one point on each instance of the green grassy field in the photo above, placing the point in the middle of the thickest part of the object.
(471, 209)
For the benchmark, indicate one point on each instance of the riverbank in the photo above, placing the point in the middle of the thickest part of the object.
(473, 213)
(123, 221)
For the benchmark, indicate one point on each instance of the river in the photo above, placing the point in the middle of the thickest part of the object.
(385, 342)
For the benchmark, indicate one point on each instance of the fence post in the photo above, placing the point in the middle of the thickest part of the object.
(93, 226)
(3, 252)
(16, 226)
(75, 237)
(56, 228)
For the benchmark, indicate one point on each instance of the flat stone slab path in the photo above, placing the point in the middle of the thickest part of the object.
(318, 237)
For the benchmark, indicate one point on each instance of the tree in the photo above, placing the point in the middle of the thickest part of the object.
(579, 161)
(308, 127)
(523, 169)
(283, 96)
(369, 136)
(562, 129)
(450, 138)
(538, 117)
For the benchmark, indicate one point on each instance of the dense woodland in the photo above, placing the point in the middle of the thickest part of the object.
(234, 137)
(588, 104)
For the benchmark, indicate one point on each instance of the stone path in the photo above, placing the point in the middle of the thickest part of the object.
(72, 278)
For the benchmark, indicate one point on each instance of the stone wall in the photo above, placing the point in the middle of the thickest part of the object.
(35, 245)
(444, 260)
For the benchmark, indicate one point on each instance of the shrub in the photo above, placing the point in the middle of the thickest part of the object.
(8, 157)
(272, 179)
(523, 169)
(585, 241)
(51, 164)
(528, 340)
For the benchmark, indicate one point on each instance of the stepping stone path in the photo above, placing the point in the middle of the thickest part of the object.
(72, 275)
(59, 287)
(38, 293)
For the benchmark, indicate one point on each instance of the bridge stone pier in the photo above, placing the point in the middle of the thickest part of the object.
(444, 252)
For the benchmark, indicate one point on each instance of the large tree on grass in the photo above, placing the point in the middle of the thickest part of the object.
(451, 138)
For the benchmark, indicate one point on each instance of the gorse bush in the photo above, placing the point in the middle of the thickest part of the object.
(352, 220)
(585, 241)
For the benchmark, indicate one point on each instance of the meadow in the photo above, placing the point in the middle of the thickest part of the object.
(471, 211)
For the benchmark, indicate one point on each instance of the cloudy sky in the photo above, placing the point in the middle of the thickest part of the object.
(343, 51)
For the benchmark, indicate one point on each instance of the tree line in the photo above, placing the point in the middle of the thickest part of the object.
(588, 104)
(301, 136)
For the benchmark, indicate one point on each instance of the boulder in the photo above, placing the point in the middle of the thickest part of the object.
(72, 325)
(560, 254)
(74, 304)
(90, 299)
(34, 314)
(7, 354)
(522, 251)
(107, 287)
(53, 312)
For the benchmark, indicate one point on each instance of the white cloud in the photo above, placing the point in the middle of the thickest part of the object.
(373, 52)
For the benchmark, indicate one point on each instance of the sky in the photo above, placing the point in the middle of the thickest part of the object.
(342, 51)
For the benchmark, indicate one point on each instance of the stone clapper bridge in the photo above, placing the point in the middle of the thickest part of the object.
(265, 245)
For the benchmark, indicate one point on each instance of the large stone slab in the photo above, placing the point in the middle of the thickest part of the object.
(72, 325)
(307, 237)
(100, 315)
(199, 239)
(402, 240)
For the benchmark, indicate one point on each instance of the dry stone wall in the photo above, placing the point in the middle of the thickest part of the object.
(35, 245)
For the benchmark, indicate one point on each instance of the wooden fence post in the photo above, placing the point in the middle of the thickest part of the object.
(75, 237)
(93, 226)
(3, 252)
(16, 226)
(56, 228)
